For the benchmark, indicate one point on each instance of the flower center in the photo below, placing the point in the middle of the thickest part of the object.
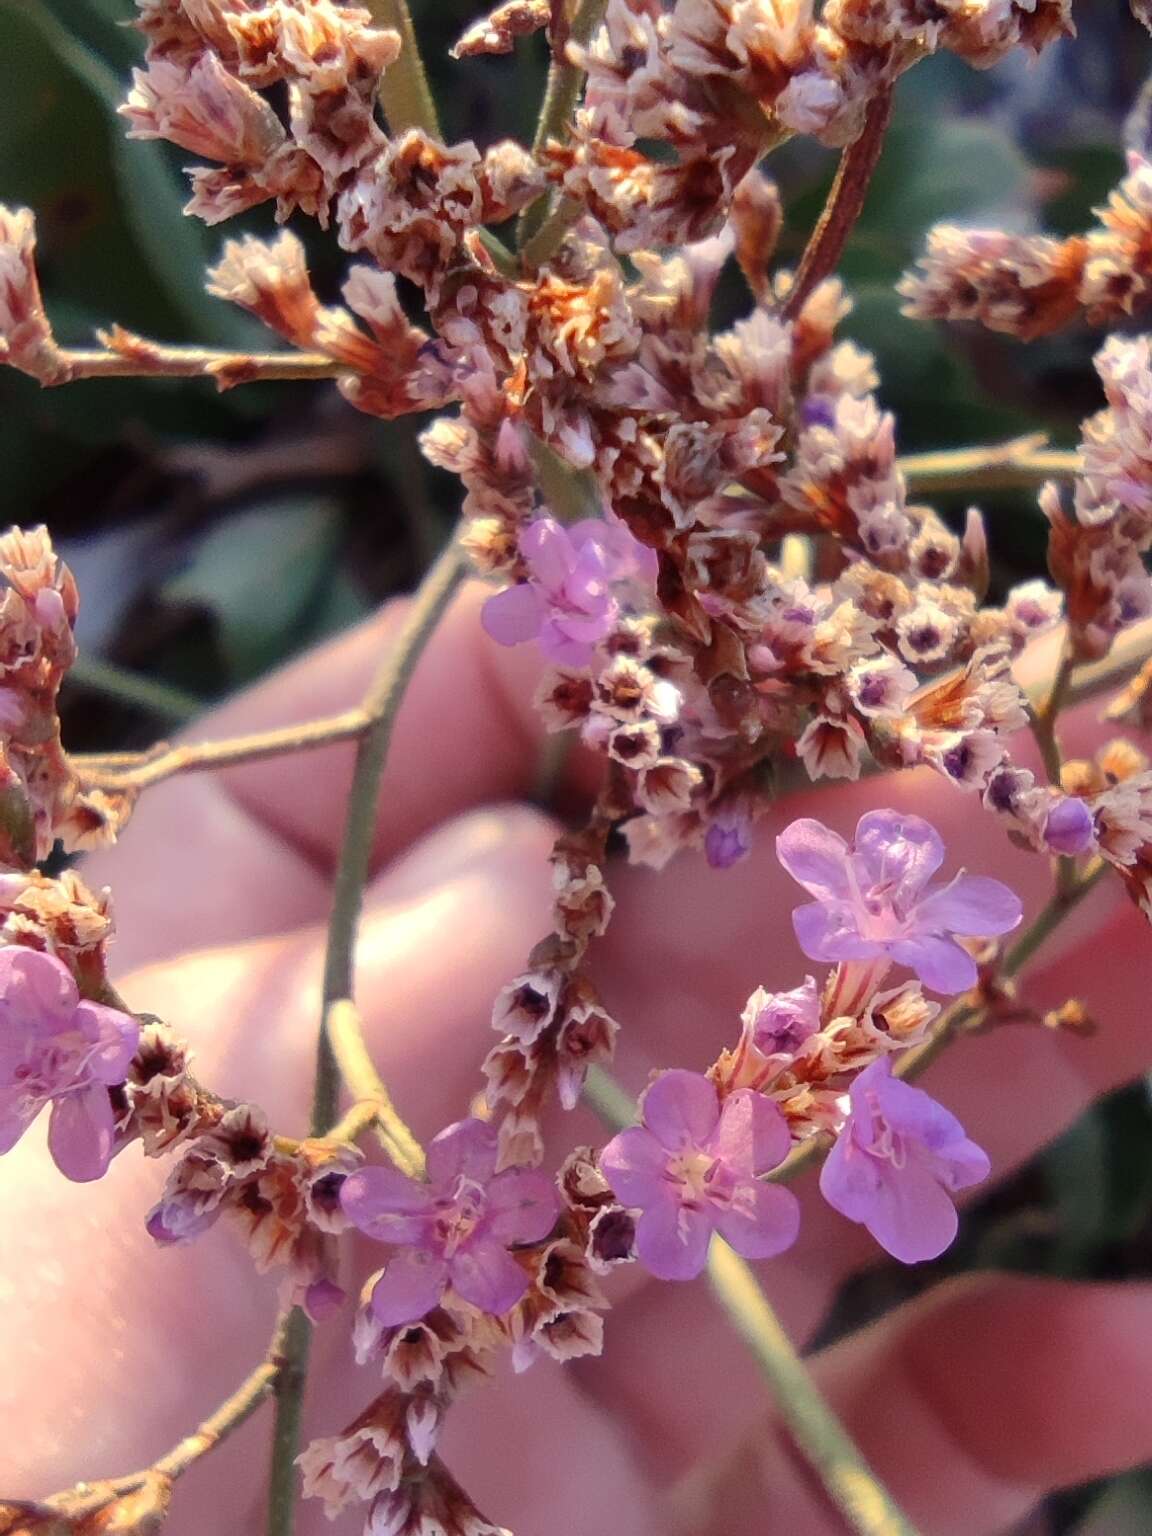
(701, 1177)
(459, 1218)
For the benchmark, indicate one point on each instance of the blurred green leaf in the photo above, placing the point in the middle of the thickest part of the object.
(270, 578)
(1099, 1175)
(1123, 1509)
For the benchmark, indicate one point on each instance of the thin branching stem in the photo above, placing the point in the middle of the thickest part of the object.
(153, 360)
(143, 770)
(381, 705)
(374, 1106)
(405, 93)
(92, 1497)
(862, 1499)
(845, 201)
(540, 229)
(1022, 462)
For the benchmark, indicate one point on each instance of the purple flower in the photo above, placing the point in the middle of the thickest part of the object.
(1070, 827)
(693, 1168)
(896, 1163)
(453, 1231)
(55, 1047)
(873, 899)
(782, 1021)
(567, 603)
(728, 838)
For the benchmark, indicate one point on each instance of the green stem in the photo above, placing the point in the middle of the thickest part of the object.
(1043, 718)
(289, 1395)
(571, 494)
(863, 1501)
(560, 96)
(404, 90)
(1022, 463)
(381, 706)
(159, 699)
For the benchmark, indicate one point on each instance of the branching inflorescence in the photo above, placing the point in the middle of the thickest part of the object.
(652, 499)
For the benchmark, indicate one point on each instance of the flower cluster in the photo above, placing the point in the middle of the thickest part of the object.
(712, 542)
(60, 1049)
(1032, 285)
(697, 1164)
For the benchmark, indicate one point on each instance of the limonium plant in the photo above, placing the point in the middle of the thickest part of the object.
(728, 576)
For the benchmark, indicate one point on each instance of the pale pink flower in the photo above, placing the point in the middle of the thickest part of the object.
(568, 603)
(453, 1231)
(873, 898)
(58, 1048)
(896, 1163)
(694, 1167)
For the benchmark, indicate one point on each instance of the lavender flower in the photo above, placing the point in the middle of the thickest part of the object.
(453, 1231)
(55, 1047)
(782, 1021)
(567, 603)
(896, 1164)
(728, 839)
(1070, 827)
(693, 1169)
(873, 898)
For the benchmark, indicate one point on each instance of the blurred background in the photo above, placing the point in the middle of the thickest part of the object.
(215, 536)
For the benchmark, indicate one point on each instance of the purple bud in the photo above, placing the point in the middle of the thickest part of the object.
(818, 411)
(1070, 828)
(322, 1299)
(728, 839)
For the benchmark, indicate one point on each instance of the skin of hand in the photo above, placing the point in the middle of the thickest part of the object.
(970, 1402)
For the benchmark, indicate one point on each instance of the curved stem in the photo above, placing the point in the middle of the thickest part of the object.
(144, 769)
(404, 90)
(538, 230)
(381, 706)
(845, 201)
(865, 1504)
(289, 1388)
(153, 360)
(358, 1071)
(1022, 462)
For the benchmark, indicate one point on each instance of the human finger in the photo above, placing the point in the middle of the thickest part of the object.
(112, 1347)
(970, 1404)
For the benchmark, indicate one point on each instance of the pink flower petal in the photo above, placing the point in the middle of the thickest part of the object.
(680, 1108)
(672, 1240)
(523, 1205)
(971, 904)
(898, 852)
(467, 1149)
(752, 1136)
(409, 1288)
(817, 857)
(634, 1163)
(828, 932)
(549, 553)
(941, 964)
(558, 646)
(487, 1276)
(17, 1112)
(386, 1205)
(81, 1134)
(36, 990)
(911, 1216)
(514, 616)
(117, 1034)
(763, 1223)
